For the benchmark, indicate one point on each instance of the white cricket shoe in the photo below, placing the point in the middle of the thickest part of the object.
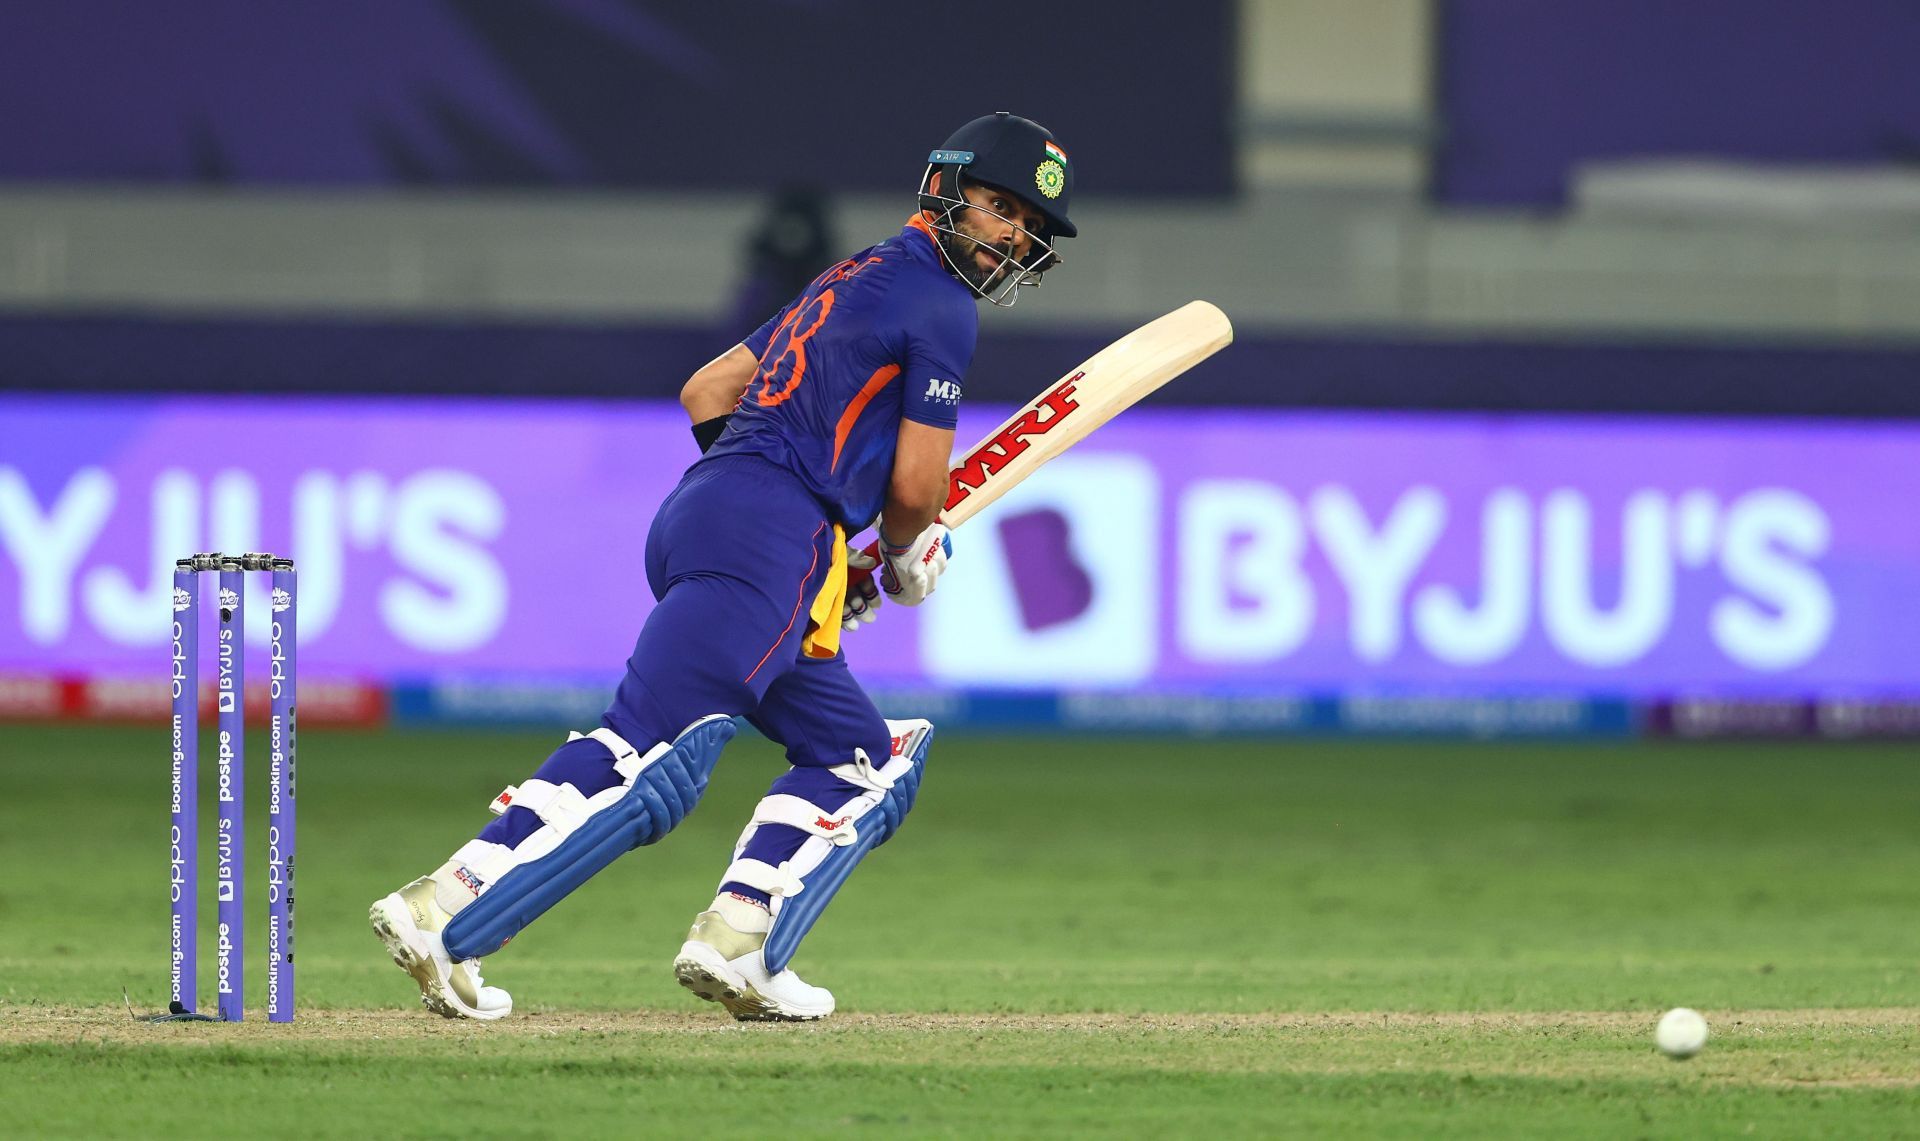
(723, 964)
(409, 922)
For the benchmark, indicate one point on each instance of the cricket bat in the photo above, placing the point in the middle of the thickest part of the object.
(1103, 386)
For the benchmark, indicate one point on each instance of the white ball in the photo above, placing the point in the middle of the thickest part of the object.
(1681, 1033)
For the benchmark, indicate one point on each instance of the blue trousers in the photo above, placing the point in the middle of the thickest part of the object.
(734, 558)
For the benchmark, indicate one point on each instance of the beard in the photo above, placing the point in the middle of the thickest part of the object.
(962, 249)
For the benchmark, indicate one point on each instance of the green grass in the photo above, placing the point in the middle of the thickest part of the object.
(1123, 936)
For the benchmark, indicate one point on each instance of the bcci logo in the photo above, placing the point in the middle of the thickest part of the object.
(281, 600)
(181, 600)
(229, 598)
(1051, 178)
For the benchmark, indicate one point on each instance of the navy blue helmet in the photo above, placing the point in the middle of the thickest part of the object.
(1019, 156)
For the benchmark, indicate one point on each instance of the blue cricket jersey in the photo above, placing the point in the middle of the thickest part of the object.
(887, 333)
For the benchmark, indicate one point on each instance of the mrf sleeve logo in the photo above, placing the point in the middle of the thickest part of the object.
(984, 461)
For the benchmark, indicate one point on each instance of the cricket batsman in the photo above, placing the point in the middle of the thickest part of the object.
(837, 413)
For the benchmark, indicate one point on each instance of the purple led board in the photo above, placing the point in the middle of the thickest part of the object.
(1228, 550)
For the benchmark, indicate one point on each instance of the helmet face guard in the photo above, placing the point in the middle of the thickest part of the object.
(1001, 284)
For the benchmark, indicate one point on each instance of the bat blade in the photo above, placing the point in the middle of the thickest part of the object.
(1103, 386)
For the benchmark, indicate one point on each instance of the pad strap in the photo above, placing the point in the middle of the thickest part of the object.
(487, 860)
(798, 812)
(862, 772)
(560, 805)
(626, 759)
(758, 873)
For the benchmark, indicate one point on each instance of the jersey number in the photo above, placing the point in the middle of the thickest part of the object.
(784, 364)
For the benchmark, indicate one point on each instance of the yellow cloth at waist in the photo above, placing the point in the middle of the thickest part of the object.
(822, 639)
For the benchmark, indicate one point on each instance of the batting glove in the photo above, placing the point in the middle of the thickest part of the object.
(911, 571)
(863, 593)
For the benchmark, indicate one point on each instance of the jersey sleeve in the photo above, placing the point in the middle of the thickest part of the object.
(756, 341)
(934, 363)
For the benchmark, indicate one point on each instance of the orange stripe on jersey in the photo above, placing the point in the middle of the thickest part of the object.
(874, 384)
(920, 223)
